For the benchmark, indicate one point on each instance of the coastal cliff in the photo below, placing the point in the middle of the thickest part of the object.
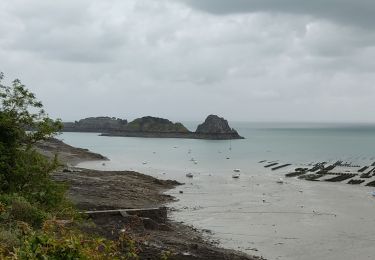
(214, 128)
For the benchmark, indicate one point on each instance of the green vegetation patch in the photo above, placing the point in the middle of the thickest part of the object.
(36, 219)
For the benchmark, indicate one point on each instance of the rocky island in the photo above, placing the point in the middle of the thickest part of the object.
(217, 128)
(96, 124)
(213, 128)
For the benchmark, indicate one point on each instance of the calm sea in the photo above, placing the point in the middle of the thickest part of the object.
(290, 143)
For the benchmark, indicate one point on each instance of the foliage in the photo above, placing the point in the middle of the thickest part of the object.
(19, 209)
(58, 242)
(165, 255)
(36, 219)
(9, 239)
(31, 178)
(25, 112)
(23, 122)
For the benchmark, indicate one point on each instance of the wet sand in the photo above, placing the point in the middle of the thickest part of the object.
(67, 154)
(98, 190)
(298, 220)
(295, 220)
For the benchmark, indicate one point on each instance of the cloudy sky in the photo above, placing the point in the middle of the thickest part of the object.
(246, 60)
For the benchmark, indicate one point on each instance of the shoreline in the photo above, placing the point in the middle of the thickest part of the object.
(108, 190)
(67, 154)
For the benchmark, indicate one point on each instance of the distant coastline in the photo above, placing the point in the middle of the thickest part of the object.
(190, 135)
(213, 128)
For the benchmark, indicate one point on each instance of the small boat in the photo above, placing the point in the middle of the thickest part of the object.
(144, 163)
(195, 162)
(236, 176)
(280, 181)
(236, 170)
(189, 175)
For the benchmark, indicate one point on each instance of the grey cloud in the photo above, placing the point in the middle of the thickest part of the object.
(359, 12)
(139, 57)
(66, 31)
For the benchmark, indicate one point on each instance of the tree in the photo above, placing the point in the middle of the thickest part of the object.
(23, 122)
(31, 203)
(30, 122)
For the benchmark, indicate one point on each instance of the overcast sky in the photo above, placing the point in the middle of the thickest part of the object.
(246, 60)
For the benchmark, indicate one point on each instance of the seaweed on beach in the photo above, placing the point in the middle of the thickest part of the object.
(330, 168)
(371, 184)
(318, 166)
(314, 169)
(364, 168)
(281, 166)
(365, 175)
(356, 181)
(323, 172)
(270, 165)
(341, 177)
(295, 174)
(311, 177)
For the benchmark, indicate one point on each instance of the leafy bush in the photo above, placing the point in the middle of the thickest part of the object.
(19, 209)
(31, 178)
(58, 242)
(9, 239)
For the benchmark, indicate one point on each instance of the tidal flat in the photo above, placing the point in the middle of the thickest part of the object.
(297, 219)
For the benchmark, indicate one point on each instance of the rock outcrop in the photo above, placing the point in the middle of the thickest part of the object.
(215, 125)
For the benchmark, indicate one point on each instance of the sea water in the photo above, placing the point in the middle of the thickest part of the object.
(254, 213)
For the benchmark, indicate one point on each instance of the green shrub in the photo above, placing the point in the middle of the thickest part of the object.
(31, 178)
(19, 209)
(9, 239)
(58, 242)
